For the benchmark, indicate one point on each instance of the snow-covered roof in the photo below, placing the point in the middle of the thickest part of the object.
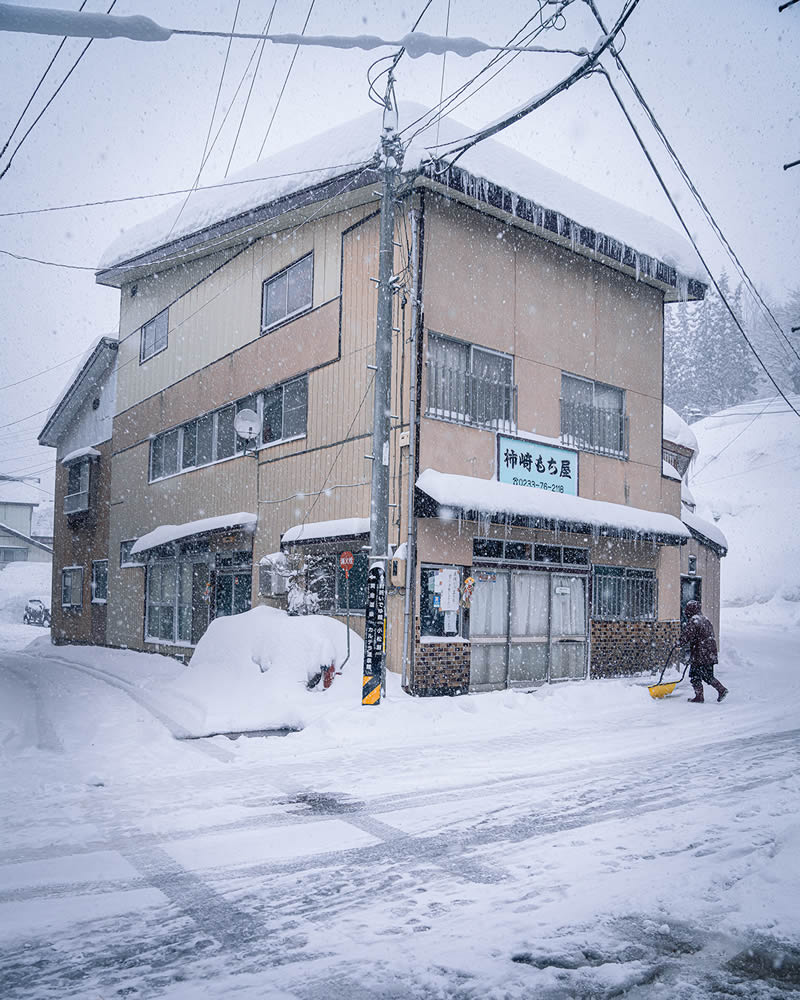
(79, 453)
(669, 471)
(345, 149)
(166, 533)
(678, 431)
(577, 513)
(22, 493)
(687, 496)
(6, 530)
(708, 531)
(42, 520)
(87, 375)
(343, 527)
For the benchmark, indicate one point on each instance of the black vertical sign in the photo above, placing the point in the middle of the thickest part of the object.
(374, 628)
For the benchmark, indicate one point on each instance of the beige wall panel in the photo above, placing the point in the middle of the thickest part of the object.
(223, 312)
(452, 448)
(469, 277)
(441, 542)
(669, 583)
(644, 420)
(539, 389)
(622, 552)
(627, 333)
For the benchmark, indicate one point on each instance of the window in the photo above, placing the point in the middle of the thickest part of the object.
(126, 559)
(77, 496)
(9, 553)
(99, 581)
(677, 460)
(621, 594)
(161, 589)
(72, 587)
(154, 336)
(358, 583)
(282, 412)
(433, 621)
(470, 385)
(287, 294)
(510, 551)
(593, 416)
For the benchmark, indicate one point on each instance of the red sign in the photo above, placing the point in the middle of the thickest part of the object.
(346, 562)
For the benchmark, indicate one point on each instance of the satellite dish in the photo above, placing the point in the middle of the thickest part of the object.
(246, 424)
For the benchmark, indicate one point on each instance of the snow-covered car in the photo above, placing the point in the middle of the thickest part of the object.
(36, 613)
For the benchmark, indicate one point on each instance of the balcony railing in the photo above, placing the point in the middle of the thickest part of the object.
(464, 398)
(76, 502)
(593, 428)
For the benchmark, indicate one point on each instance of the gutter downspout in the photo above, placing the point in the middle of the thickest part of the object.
(409, 602)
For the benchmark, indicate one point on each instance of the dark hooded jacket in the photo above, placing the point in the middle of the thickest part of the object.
(698, 635)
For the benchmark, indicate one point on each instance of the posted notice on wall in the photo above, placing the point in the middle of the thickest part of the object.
(446, 588)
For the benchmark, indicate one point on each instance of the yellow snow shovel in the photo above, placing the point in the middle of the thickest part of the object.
(661, 690)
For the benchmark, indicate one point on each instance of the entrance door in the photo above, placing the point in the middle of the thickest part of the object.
(201, 600)
(529, 629)
(691, 590)
(488, 618)
(568, 637)
(233, 592)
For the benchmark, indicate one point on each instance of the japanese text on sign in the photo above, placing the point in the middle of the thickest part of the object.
(541, 466)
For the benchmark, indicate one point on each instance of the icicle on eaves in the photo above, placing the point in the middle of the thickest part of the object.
(636, 263)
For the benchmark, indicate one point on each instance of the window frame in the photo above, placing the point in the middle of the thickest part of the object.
(157, 441)
(627, 574)
(81, 464)
(143, 353)
(126, 560)
(592, 446)
(95, 598)
(461, 615)
(469, 419)
(72, 570)
(272, 280)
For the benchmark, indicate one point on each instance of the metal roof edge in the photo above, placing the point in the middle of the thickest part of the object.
(105, 345)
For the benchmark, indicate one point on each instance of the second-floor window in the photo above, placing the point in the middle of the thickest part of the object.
(593, 416)
(154, 336)
(282, 412)
(470, 385)
(76, 497)
(287, 293)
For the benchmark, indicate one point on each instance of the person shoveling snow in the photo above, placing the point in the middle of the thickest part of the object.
(698, 635)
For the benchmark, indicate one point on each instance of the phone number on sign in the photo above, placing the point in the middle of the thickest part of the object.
(540, 484)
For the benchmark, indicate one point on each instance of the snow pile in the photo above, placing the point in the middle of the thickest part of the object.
(342, 527)
(87, 452)
(678, 431)
(338, 151)
(748, 484)
(251, 671)
(20, 581)
(166, 533)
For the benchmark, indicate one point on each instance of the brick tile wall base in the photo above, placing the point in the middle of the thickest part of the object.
(440, 667)
(620, 648)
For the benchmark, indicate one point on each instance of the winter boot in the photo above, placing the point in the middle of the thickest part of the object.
(698, 694)
(720, 689)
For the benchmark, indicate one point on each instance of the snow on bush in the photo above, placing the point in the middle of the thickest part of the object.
(251, 671)
(20, 581)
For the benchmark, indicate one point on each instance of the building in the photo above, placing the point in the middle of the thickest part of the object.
(537, 534)
(79, 427)
(19, 541)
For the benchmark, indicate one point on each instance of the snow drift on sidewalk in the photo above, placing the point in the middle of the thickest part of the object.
(250, 671)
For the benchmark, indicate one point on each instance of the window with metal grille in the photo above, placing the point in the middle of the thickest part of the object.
(623, 594)
(470, 385)
(593, 416)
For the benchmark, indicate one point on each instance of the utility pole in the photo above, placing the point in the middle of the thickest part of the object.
(375, 625)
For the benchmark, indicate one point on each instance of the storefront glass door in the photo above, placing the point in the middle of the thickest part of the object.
(527, 627)
(568, 643)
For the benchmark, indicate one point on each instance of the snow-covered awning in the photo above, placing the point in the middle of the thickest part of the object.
(78, 454)
(166, 533)
(678, 431)
(668, 471)
(704, 531)
(468, 495)
(315, 531)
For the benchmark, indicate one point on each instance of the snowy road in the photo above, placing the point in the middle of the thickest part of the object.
(624, 852)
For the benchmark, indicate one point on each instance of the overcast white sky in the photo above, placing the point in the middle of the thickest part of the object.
(721, 77)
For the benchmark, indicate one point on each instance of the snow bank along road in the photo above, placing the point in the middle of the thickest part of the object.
(615, 846)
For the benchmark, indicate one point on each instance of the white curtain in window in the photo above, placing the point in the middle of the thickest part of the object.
(569, 606)
(488, 612)
(529, 604)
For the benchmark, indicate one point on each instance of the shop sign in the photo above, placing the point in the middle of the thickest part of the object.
(374, 637)
(540, 466)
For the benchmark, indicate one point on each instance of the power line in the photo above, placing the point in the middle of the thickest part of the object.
(36, 89)
(49, 263)
(285, 81)
(44, 371)
(693, 189)
(734, 438)
(206, 151)
(263, 44)
(166, 194)
(692, 240)
(50, 101)
(21, 420)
